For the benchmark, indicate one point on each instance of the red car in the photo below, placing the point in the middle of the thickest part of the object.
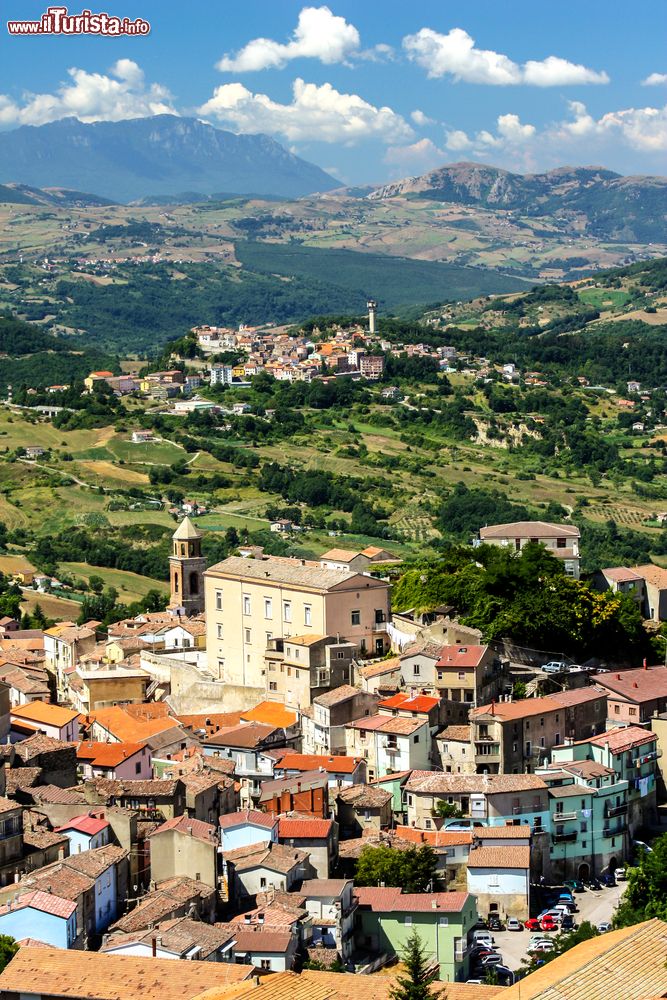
(533, 924)
(548, 924)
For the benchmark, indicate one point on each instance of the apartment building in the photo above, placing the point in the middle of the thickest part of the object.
(323, 728)
(510, 737)
(486, 800)
(561, 540)
(635, 696)
(250, 602)
(467, 676)
(302, 667)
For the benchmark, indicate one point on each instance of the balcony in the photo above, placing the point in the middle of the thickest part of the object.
(564, 838)
(647, 758)
(616, 831)
(612, 811)
(391, 748)
(564, 817)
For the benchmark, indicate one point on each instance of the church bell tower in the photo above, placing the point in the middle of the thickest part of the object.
(186, 570)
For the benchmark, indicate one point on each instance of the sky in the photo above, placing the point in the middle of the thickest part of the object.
(370, 91)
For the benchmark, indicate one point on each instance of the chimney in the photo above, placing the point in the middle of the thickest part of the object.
(493, 706)
(154, 946)
(645, 664)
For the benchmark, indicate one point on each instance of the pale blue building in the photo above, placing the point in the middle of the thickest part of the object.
(42, 916)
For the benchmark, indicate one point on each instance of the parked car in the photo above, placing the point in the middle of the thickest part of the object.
(555, 667)
(542, 946)
(461, 824)
(595, 884)
(604, 927)
(551, 914)
(640, 846)
(575, 884)
(490, 960)
(483, 937)
(567, 923)
(495, 923)
(514, 924)
(549, 924)
(620, 874)
(608, 880)
(532, 924)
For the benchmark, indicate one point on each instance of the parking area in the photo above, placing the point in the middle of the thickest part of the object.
(593, 906)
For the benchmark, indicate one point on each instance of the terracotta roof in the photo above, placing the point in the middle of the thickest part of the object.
(578, 696)
(572, 789)
(585, 768)
(627, 964)
(636, 685)
(38, 744)
(41, 839)
(271, 713)
(94, 976)
(502, 832)
(179, 935)
(389, 900)
(437, 782)
(94, 863)
(623, 738)
(22, 777)
(210, 721)
(274, 857)
(529, 529)
(127, 728)
(461, 655)
(306, 829)
(66, 882)
(305, 640)
(394, 776)
(46, 902)
(506, 711)
(336, 696)
(246, 817)
(246, 737)
(312, 985)
(53, 793)
(655, 575)
(309, 762)
(303, 781)
(400, 727)
(84, 824)
(318, 887)
(40, 711)
(436, 838)
(107, 754)
(290, 572)
(457, 734)
(621, 574)
(169, 896)
(190, 827)
(261, 939)
(365, 796)
(419, 703)
(430, 649)
(379, 669)
(499, 857)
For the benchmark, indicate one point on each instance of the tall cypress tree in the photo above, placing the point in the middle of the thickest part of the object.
(416, 983)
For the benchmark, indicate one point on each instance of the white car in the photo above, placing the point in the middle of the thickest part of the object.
(620, 875)
(604, 927)
(542, 946)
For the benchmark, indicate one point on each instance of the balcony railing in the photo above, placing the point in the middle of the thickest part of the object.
(564, 817)
(391, 748)
(612, 811)
(608, 831)
(564, 838)
(646, 758)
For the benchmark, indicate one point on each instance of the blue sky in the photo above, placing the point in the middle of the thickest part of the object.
(372, 90)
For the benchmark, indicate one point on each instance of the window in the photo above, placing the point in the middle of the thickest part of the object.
(262, 883)
(221, 665)
(297, 654)
(617, 709)
(218, 600)
(415, 739)
(443, 921)
(265, 963)
(416, 670)
(633, 711)
(307, 614)
(247, 635)
(246, 604)
(273, 686)
(219, 631)
(268, 607)
(269, 637)
(355, 618)
(408, 921)
(462, 675)
(287, 611)
(137, 767)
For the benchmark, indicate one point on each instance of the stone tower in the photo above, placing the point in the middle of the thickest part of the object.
(186, 570)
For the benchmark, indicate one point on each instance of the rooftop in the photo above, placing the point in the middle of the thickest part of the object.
(44, 713)
(51, 972)
(107, 754)
(390, 900)
(644, 684)
(621, 574)
(655, 575)
(499, 857)
(296, 828)
(248, 817)
(529, 529)
(319, 887)
(45, 902)
(365, 796)
(186, 531)
(84, 824)
(409, 703)
(128, 728)
(309, 762)
(623, 738)
(245, 737)
(461, 655)
(437, 782)
(274, 857)
(190, 827)
(336, 696)
(290, 572)
(271, 713)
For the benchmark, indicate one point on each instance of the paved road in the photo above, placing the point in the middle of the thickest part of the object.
(593, 906)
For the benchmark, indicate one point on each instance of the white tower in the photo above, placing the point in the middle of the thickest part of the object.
(372, 315)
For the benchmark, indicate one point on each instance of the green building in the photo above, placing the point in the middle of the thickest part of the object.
(386, 917)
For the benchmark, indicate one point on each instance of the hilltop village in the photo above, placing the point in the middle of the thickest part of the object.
(280, 775)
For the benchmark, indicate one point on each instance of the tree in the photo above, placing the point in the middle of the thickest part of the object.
(416, 983)
(8, 948)
(646, 893)
(447, 810)
(96, 584)
(413, 870)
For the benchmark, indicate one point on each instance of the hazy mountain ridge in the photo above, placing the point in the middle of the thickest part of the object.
(604, 203)
(133, 159)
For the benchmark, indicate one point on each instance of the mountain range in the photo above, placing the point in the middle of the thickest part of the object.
(163, 155)
(595, 200)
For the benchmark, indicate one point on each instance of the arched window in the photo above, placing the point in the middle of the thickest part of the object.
(176, 583)
(194, 583)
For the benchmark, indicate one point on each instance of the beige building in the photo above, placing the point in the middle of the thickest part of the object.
(561, 540)
(302, 667)
(185, 847)
(250, 602)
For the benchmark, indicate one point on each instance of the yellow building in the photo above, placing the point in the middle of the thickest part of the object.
(251, 602)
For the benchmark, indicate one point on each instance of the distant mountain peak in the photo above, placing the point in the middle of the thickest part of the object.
(161, 155)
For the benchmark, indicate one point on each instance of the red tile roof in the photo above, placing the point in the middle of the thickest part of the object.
(461, 655)
(389, 900)
(304, 828)
(645, 684)
(84, 824)
(107, 754)
(436, 838)
(46, 902)
(309, 762)
(499, 857)
(247, 817)
(46, 714)
(190, 827)
(405, 702)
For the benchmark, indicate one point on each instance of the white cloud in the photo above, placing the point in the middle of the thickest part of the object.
(419, 118)
(456, 55)
(92, 97)
(642, 129)
(509, 132)
(655, 80)
(317, 113)
(319, 34)
(458, 140)
(416, 158)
